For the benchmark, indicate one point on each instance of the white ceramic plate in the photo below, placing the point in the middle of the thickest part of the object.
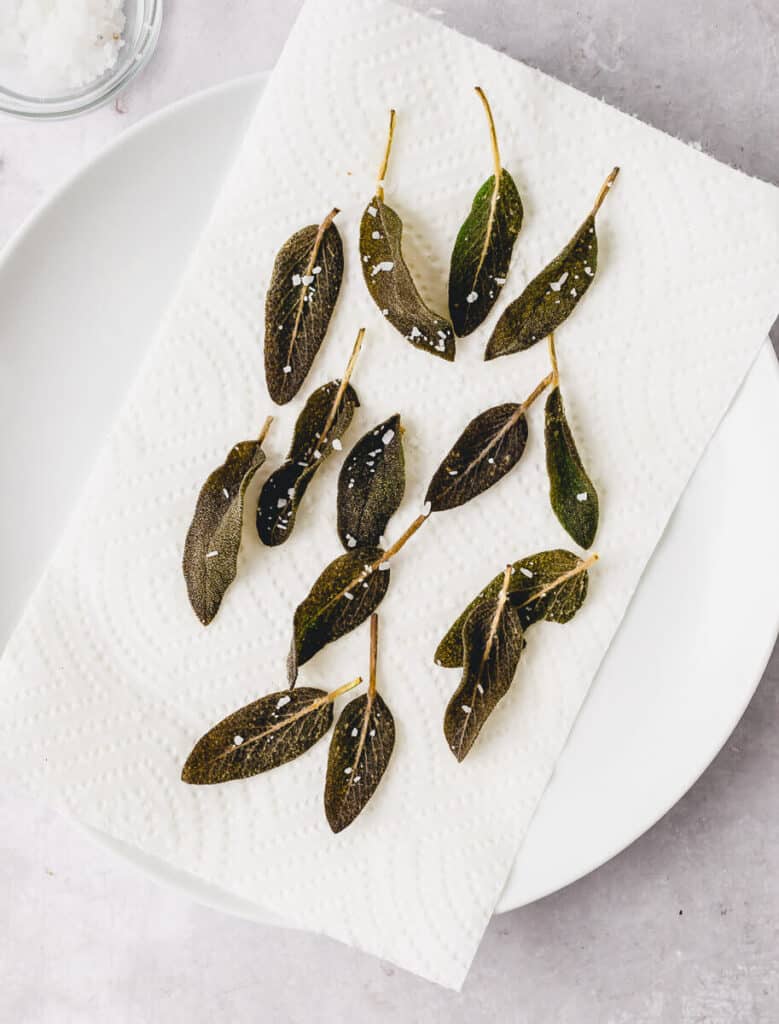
(82, 288)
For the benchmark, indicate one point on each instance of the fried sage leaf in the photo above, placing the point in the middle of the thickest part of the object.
(265, 734)
(571, 492)
(319, 427)
(371, 485)
(552, 296)
(301, 298)
(493, 643)
(388, 278)
(482, 251)
(391, 286)
(487, 449)
(359, 750)
(214, 537)
(549, 585)
(344, 595)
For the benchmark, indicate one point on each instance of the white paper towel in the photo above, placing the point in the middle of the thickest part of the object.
(110, 679)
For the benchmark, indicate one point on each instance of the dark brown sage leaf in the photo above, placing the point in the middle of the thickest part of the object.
(391, 286)
(482, 251)
(344, 595)
(493, 643)
(359, 750)
(318, 430)
(214, 537)
(371, 485)
(388, 278)
(263, 735)
(487, 449)
(301, 298)
(553, 295)
(549, 585)
(571, 492)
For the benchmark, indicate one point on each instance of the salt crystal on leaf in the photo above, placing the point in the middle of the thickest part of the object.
(557, 285)
(385, 265)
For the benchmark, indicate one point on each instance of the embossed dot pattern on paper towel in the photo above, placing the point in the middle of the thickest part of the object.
(110, 679)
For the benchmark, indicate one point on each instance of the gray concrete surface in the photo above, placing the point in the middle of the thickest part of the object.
(684, 926)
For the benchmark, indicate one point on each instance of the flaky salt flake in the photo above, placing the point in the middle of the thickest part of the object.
(557, 285)
(384, 265)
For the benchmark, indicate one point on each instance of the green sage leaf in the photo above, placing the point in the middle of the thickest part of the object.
(371, 485)
(571, 492)
(360, 750)
(301, 298)
(487, 449)
(493, 643)
(214, 536)
(391, 286)
(553, 295)
(558, 576)
(263, 735)
(345, 594)
(482, 251)
(312, 442)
